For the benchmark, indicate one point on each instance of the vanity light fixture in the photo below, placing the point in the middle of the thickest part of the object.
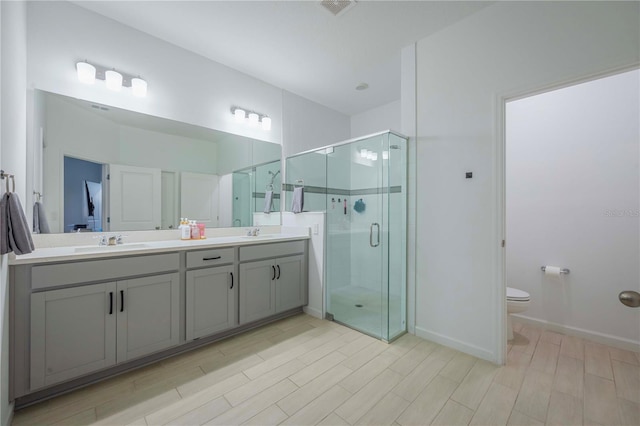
(239, 114)
(86, 72)
(251, 118)
(114, 80)
(138, 87)
(266, 123)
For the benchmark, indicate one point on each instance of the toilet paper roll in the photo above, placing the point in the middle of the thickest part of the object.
(552, 270)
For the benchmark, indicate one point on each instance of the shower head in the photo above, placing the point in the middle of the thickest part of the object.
(273, 175)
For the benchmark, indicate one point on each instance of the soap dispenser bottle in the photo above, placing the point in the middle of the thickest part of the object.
(195, 231)
(185, 230)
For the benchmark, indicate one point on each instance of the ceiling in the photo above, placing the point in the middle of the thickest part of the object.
(298, 46)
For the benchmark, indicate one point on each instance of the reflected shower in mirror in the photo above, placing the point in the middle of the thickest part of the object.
(256, 195)
(109, 169)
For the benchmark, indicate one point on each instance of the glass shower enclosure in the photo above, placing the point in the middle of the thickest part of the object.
(362, 186)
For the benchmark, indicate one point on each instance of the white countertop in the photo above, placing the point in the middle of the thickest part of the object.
(70, 253)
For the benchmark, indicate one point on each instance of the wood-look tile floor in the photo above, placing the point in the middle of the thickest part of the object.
(302, 371)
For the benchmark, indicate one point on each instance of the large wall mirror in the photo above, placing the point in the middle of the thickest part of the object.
(109, 169)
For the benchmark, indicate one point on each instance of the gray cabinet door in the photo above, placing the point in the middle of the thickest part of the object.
(290, 288)
(73, 332)
(210, 301)
(148, 315)
(257, 290)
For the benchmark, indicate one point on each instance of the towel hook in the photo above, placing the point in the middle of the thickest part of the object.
(38, 195)
(299, 183)
(7, 176)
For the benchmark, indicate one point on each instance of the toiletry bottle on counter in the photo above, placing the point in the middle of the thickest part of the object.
(185, 230)
(201, 227)
(195, 231)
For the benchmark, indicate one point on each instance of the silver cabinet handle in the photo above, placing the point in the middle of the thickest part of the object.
(371, 235)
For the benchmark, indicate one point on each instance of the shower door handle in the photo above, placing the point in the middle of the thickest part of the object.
(371, 235)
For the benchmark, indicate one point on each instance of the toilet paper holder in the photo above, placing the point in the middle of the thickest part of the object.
(564, 271)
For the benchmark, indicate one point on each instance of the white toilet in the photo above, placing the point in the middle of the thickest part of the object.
(517, 301)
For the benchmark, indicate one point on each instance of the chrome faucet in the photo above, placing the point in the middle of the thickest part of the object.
(254, 232)
(110, 240)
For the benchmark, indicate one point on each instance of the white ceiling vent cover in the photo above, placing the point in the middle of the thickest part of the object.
(337, 7)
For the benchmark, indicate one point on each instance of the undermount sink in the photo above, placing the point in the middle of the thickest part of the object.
(131, 246)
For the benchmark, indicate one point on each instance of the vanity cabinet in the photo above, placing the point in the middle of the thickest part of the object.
(148, 316)
(78, 330)
(272, 285)
(73, 332)
(210, 304)
(86, 316)
(78, 321)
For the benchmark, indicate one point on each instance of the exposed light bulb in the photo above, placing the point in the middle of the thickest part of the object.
(363, 153)
(138, 87)
(253, 119)
(266, 123)
(114, 80)
(374, 156)
(86, 73)
(385, 155)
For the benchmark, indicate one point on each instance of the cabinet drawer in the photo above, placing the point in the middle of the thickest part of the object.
(46, 276)
(264, 251)
(212, 257)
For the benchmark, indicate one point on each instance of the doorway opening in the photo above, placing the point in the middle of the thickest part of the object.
(572, 210)
(83, 195)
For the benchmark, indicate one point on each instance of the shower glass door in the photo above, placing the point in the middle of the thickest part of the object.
(357, 246)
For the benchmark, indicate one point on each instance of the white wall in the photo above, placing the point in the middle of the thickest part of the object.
(384, 117)
(183, 86)
(316, 256)
(462, 73)
(572, 199)
(307, 125)
(13, 124)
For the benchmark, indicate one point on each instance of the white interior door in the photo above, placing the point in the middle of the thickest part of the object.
(135, 198)
(169, 200)
(199, 197)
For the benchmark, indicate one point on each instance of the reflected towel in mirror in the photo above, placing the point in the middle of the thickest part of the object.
(268, 201)
(40, 223)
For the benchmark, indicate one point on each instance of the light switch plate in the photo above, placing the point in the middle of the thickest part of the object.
(316, 229)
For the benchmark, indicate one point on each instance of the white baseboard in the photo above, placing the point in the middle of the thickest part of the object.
(605, 339)
(457, 344)
(312, 311)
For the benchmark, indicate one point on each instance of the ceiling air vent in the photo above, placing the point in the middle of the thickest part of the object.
(337, 7)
